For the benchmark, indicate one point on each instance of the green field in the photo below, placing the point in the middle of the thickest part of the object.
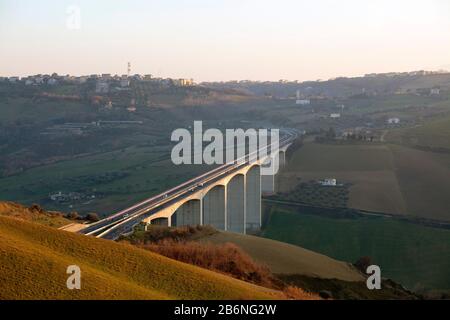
(117, 178)
(414, 255)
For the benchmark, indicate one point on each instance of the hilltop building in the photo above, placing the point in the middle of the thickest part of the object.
(102, 87)
(302, 101)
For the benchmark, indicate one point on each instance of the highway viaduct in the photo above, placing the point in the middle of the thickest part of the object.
(232, 203)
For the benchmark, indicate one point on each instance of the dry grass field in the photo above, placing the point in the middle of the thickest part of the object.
(434, 134)
(368, 168)
(384, 178)
(424, 182)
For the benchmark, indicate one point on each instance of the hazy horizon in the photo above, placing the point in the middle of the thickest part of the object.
(225, 40)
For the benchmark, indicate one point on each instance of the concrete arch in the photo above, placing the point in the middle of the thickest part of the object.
(235, 198)
(187, 214)
(214, 207)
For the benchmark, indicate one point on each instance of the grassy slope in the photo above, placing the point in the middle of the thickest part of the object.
(51, 219)
(283, 258)
(34, 258)
(413, 255)
(423, 179)
(434, 134)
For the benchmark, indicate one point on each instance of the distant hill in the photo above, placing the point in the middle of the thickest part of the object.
(342, 87)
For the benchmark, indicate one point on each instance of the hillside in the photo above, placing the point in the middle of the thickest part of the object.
(433, 135)
(34, 214)
(284, 265)
(34, 258)
(283, 258)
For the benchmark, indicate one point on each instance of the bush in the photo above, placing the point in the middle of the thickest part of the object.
(295, 293)
(36, 208)
(363, 263)
(73, 216)
(157, 233)
(227, 258)
(93, 217)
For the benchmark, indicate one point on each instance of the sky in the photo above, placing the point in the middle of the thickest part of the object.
(220, 40)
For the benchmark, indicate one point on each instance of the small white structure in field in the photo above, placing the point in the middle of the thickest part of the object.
(303, 102)
(393, 121)
(329, 182)
(335, 115)
(435, 92)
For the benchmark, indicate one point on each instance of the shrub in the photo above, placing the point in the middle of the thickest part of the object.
(36, 208)
(363, 263)
(93, 217)
(227, 258)
(72, 216)
(295, 293)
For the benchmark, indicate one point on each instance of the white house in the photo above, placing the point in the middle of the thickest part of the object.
(102, 87)
(124, 83)
(335, 115)
(435, 92)
(393, 121)
(303, 102)
(329, 182)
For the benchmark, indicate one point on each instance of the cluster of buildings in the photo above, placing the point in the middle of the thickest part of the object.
(72, 128)
(71, 196)
(411, 73)
(45, 79)
(103, 82)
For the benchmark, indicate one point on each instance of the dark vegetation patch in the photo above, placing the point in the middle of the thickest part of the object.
(345, 290)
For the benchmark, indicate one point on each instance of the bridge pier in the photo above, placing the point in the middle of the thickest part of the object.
(214, 207)
(282, 158)
(236, 204)
(268, 177)
(253, 198)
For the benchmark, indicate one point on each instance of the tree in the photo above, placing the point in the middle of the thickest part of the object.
(73, 215)
(93, 217)
(36, 208)
(363, 263)
(331, 134)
